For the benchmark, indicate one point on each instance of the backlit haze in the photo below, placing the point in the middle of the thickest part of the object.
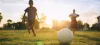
(53, 9)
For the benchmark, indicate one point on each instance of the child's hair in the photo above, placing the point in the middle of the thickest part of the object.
(31, 2)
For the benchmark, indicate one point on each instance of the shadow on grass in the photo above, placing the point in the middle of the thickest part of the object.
(5, 39)
(90, 38)
(98, 43)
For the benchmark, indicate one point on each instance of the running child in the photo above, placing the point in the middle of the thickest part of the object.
(32, 13)
(73, 24)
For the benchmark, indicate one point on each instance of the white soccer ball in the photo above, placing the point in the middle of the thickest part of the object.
(65, 36)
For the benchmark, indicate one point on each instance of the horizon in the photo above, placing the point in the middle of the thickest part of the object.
(53, 10)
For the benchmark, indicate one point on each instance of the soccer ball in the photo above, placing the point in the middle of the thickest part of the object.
(65, 36)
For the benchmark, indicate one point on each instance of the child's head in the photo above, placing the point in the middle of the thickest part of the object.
(31, 3)
(73, 10)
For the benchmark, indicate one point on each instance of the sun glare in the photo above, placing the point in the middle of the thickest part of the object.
(53, 10)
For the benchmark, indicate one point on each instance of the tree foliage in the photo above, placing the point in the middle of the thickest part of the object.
(0, 17)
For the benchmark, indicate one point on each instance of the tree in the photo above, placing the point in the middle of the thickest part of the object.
(19, 25)
(36, 24)
(9, 21)
(96, 26)
(79, 24)
(86, 26)
(8, 25)
(0, 17)
(42, 19)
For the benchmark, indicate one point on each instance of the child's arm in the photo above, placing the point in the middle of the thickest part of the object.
(25, 13)
(70, 15)
(77, 15)
(37, 16)
(36, 13)
(24, 17)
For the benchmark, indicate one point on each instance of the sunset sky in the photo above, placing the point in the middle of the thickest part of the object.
(53, 9)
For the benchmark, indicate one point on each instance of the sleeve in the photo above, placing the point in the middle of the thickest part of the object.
(35, 11)
(26, 10)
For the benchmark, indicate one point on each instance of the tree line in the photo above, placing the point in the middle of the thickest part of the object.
(19, 25)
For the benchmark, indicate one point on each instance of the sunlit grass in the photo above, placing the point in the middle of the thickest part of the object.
(46, 37)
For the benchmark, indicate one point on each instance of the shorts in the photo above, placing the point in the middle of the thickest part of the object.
(31, 22)
(73, 26)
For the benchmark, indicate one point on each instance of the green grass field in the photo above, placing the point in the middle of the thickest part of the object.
(46, 37)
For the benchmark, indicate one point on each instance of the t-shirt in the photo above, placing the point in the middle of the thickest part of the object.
(73, 17)
(31, 13)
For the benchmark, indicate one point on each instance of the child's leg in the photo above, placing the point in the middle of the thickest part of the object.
(33, 32)
(29, 25)
(33, 28)
(73, 30)
(73, 27)
(32, 24)
(29, 29)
